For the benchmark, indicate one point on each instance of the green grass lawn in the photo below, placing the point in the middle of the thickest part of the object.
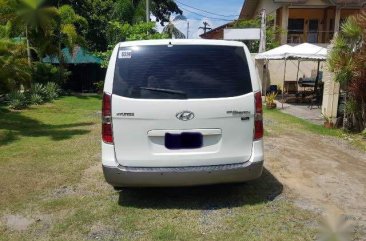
(50, 176)
(281, 121)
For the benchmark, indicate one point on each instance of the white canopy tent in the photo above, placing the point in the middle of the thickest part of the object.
(303, 51)
(276, 53)
(309, 52)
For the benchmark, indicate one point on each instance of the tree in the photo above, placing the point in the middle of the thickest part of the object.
(162, 10)
(69, 24)
(99, 13)
(128, 32)
(172, 31)
(5, 30)
(32, 18)
(347, 59)
(14, 68)
(133, 11)
(128, 11)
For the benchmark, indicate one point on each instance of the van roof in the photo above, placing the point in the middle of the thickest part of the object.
(181, 42)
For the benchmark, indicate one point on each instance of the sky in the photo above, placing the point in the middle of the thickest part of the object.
(220, 12)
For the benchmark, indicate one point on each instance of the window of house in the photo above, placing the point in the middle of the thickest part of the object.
(295, 26)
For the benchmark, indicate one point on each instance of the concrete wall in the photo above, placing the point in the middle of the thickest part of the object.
(330, 97)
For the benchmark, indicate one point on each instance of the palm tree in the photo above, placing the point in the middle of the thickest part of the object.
(5, 30)
(347, 60)
(67, 32)
(32, 18)
(68, 29)
(172, 30)
(14, 69)
(129, 11)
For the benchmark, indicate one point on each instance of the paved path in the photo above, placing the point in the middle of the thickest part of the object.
(303, 112)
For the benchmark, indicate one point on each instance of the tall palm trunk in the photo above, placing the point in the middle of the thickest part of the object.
(345, 119)
(28, 47)
(28, 52)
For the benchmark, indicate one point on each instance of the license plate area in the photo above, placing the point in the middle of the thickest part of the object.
(184, 140)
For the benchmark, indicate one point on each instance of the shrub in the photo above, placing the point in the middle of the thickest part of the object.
(15, 71)
(270, 98)
(38, 89)
(35, 99)
(99, 86)
(52, 91)
(17, 100)
(43, 73)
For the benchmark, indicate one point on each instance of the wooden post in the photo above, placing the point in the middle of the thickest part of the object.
(317, 78)
(283, 83)
(147, 11)
(298, 69)
(265, 71)
(337, 20)
(284, 23)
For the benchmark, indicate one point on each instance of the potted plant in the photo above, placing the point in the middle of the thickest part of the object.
(270, 100)
(328, 121)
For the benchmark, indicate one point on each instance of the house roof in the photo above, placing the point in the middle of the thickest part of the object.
(249, 6)
(78, 56)
(216, 29)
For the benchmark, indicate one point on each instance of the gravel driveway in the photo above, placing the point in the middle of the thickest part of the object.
(324, 174)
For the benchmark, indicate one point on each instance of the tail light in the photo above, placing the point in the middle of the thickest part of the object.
(258, 117)
(107, 132)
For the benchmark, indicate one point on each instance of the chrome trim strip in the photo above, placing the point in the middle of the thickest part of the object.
(185, 169)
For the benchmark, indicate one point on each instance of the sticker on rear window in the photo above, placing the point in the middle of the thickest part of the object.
(124, 54)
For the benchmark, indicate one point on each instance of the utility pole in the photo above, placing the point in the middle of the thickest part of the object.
(147, 11)
(205, 27)
(187, 30)
(262, 42)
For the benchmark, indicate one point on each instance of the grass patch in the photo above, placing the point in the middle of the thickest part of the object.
(277, 122)
(45, 146)
(50, 173)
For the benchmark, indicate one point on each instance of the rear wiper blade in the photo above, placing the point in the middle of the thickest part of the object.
(168, 91)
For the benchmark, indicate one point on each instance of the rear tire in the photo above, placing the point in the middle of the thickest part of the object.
(118, 188)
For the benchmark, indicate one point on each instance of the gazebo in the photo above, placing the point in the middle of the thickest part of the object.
(301, 52)
(85, 69)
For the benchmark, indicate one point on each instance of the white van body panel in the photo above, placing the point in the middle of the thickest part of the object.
(137, 148)
(139, 139)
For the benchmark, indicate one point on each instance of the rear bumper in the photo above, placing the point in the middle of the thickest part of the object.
(183, 176)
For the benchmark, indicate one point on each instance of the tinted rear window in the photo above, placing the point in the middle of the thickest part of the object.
(181, 71)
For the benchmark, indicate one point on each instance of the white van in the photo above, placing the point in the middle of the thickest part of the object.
(181, 113)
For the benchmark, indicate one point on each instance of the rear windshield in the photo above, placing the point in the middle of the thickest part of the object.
(181, 72)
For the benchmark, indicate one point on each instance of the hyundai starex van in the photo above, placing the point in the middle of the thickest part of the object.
(181, 113)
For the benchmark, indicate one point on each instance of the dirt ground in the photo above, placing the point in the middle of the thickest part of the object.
(324, 174)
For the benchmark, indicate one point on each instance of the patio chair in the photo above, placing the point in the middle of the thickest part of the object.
(316, 100)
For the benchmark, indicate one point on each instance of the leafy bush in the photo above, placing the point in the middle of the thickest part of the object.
(52, 91)
(43, 73)
(17, 100)
(99, 86)
(15, 71)
(35, 99)
(38, 89)
(270, 98)
(36, 95)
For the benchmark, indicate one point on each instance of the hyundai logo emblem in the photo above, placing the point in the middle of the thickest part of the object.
(185, 115)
